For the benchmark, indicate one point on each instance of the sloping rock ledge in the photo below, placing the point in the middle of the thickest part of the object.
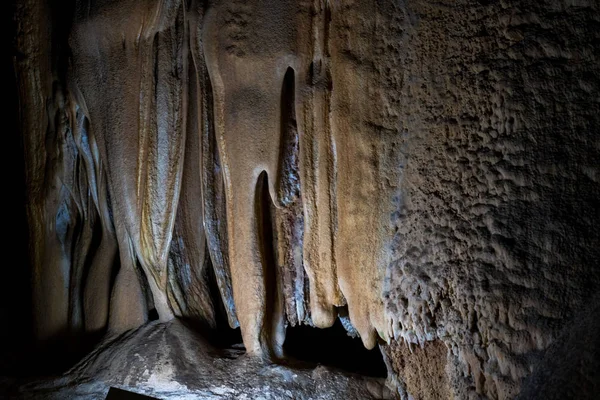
(171, 361)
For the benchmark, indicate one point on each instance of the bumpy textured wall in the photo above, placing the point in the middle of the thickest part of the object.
(494, 244)
(425, 171)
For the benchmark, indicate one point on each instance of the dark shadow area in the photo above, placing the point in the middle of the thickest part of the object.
(223, 336)
(264, 224)
(570, 366)
(15, 287)
(152, 315)
(20, 356)
(333, 347)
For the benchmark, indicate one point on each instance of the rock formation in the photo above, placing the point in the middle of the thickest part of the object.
(425, 171)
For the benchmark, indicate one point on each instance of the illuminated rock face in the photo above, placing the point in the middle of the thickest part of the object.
(427, 172)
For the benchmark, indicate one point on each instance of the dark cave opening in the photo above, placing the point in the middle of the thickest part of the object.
(333, 347)
(152, 314)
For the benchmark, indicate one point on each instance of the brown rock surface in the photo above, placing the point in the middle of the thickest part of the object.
(421, 370)
(427, 171)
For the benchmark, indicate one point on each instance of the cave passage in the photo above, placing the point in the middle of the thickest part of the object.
(333, 347)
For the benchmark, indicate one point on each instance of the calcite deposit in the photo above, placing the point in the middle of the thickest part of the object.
(428, 172)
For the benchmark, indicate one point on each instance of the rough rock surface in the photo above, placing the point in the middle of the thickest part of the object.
(421, 371)
(170, 361)
(427, 171)
(570, 367)
(494, 244)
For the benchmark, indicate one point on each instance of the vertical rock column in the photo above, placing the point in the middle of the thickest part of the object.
(130, 69)
(318, 169)
(368, 150)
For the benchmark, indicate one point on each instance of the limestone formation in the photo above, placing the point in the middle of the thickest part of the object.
(425, 171)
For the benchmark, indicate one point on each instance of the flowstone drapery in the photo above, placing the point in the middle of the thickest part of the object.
(424, 171)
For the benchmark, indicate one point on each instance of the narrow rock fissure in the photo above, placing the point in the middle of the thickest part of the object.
(224, 336)
(289, 182)
(265, 235)
(333, 347)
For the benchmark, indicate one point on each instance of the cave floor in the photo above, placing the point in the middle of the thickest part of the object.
(171, 361)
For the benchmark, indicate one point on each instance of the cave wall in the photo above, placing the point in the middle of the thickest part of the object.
(494, 245)
(425, 171)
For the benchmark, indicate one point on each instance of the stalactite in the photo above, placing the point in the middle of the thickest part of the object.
(188, 290)
(213, 186)
(137, 91)
(318, 171)
(288, 222)
(246, 80)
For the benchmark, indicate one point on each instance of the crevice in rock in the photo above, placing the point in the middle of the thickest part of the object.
(213, 192)
(224, 335)
(333, 347)
(289, 182)
(264, 226)
(221, 335)
(152, 314)
(288, 228)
